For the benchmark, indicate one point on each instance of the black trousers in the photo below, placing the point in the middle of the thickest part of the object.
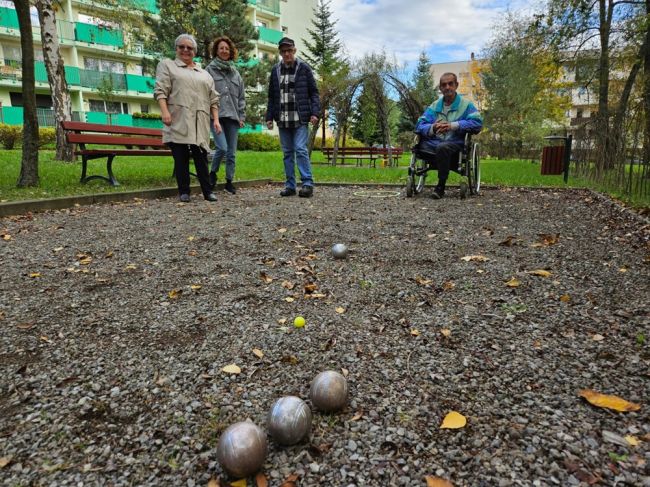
(181, 155)
(446, 158)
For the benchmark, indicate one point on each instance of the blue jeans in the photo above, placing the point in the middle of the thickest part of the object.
(294, 148)
(225, 145)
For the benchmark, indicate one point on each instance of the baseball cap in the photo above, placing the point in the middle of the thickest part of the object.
(285, 41)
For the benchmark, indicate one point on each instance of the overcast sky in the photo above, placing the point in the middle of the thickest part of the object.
(448, 30)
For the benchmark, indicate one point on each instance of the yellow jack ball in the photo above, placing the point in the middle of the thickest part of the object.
(299, 322)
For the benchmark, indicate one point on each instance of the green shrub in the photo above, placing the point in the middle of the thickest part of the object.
(258, 142)
(150, 116)
(46, 136)
(329, 142)
(9, 134)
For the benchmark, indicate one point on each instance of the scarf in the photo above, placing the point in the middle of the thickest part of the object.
(227, 66)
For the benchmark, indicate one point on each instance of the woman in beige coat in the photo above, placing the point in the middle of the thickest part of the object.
(187, 99)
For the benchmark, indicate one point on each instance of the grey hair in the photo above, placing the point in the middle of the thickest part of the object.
(188, 37)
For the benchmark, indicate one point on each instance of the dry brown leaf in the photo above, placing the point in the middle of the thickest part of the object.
(6, 236)
(238, 483)
(422, 281)
(632, 440)
(57, 249)
(45, 339)
(290, 359)
(357, 416)
(86, 260)
(474, 258)
(231, 369)
(174, 293)
(345, 372)
(282, 230)
(514, 282)
(340, 310)
(453, 420)
(565, 298)
(448, 285)
(288, 285)
(282, 321)
(35, 274)
(191, 238)
(310, 288)
(607, 401)
(540, 273)
(623, 269)
(4, 461)
(214, 482)
(547, 239)
(437, 481)
(316, 295)
(289, 299)
(195, 287)
(260, 480)
(24, 326)
(131, 267)
(446, 332)
(266, 278)
(508, 241)
(258, 353)
(415, 332)
(289, 483)
(597, 337)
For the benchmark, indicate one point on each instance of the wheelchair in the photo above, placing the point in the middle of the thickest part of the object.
(422, 161)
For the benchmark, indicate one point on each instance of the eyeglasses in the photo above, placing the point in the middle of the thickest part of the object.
(185, 48)
(286, 51)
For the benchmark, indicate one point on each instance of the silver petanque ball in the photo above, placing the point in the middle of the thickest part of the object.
(289, 420)
(339, 251)
(242, 449)
(329, 391)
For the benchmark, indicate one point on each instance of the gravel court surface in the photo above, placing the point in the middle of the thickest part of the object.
(117, 320)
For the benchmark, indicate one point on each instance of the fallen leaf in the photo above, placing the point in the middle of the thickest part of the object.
(266, 278)
(288, 285)
(238, 483)
(214, 482)
(191, 238)
(453, 420)
(289, 299)
(282, 321)
(610, 402)
(316, 295)
(448, 285)
(340, 310)
(358, 415)
(25, 326)
(131, 266)
(623, 269)
(310, 288)
(446, 332)
(514, 282)
(565, 298)
(474, 258)
(632, 440)
(258, 353)
(57, 249)
(508, 241)
(45, 339)
(174, 293)
(540, 273)
(282, 230)
(4, 461)
(598, 337)
(231, 369)
(548, 239)
(345, 372)
(422, 281)
(35, 274)
(415, 332)
(260, 480)
(290, 359)
(195, 287)
(6, 236)
(437, 481)
(86, 260)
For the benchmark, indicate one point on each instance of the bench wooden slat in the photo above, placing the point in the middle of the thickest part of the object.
(110, 129)
(124, 152)
(113, 140)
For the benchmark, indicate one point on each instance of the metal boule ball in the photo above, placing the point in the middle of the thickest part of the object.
(339, 251)
(329, 391)
(242, 449)
(289, 420)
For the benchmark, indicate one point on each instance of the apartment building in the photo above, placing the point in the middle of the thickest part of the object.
(99, 53)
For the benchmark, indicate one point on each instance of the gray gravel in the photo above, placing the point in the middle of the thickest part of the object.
(111, 353)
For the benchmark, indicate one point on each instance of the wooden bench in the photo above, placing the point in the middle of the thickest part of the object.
(361, 154)
(115, 141)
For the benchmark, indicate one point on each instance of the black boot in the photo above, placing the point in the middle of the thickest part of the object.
(213, 179)
(229, 186)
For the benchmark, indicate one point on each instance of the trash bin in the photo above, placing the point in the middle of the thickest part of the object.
(555, 158)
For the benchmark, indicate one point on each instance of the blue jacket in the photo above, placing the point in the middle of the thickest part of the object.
(461, 111)
(307, 97)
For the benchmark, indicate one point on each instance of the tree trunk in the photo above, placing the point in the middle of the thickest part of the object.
(646, 94)
(29, 163)
(55, 76)
(605, 16)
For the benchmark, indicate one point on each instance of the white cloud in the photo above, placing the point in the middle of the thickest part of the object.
(407, 27)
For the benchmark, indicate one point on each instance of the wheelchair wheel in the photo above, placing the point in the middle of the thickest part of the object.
(416, 176)
(474, 170)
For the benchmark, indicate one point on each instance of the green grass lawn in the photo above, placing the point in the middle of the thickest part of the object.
(137, 173)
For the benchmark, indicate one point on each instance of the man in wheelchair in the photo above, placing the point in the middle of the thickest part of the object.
(442, 128)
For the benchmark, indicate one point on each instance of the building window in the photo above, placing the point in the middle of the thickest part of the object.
(106, 106)
(104, 65)
(144, 108)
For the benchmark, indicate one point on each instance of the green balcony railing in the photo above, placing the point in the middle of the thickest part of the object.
(270, 35)
(272, 6)
(146, 5)
(8, 18)
(93, 79)
(142, 84)
(94, 34)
